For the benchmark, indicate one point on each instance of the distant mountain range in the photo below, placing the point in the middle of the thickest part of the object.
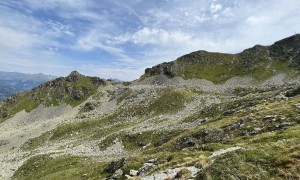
(13, 82)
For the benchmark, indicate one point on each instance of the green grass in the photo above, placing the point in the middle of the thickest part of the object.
(86, 130)
(219, 67)
(264, 160)
(222, 68)
(36, 142)
(139, 140)
(63, 167)
(169, 101)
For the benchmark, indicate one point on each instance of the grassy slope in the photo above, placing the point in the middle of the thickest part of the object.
(221, 67)
(69, 167)
(169, 101)
(273, 152)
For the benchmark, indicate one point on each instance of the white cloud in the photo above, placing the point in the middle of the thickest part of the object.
(157, 36)
(215, 8)
(58, 29)
(121, 73)
(95, 40)
(14, 41)
(59, 4)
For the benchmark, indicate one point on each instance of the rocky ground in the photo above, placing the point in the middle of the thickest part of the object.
(120, 121)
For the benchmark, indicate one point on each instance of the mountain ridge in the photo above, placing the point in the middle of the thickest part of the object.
(190, 65)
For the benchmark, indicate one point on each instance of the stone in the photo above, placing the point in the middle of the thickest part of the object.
(88, 107)
(133, 172)
(146, 168)
(84, 175)
(270, 117)
(255, 131)
(193, 170)
(297, 105)
(284, 125)
(152, 161)
(114, 166)
(74, 76)
(118, 174)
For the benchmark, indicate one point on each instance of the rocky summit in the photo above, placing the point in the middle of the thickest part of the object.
(205, 115)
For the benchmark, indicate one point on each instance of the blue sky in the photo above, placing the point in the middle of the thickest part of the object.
(119, 39)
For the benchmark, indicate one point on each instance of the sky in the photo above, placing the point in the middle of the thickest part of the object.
(119, 39)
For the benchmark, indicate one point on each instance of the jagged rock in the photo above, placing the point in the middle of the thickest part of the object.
(88, 107)
(293, 92)
(287, 49)
(168, 69)
(74, 76)
(146, 168)
(97, 81)
(115, 165)
(5, 114)
(77, 94)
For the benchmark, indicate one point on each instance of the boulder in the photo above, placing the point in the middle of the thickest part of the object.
(118, 174)
(133, 172)
(147, 167)
(114, 166)
(88, 107)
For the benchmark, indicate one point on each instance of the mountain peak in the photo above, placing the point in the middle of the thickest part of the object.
(287, 49)
(289, 41)
(74, 76)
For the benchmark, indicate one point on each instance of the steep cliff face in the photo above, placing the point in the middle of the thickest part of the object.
(287, 49)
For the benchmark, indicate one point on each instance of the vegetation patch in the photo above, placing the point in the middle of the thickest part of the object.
(63, 167)
(169, 101)
(36, 142)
